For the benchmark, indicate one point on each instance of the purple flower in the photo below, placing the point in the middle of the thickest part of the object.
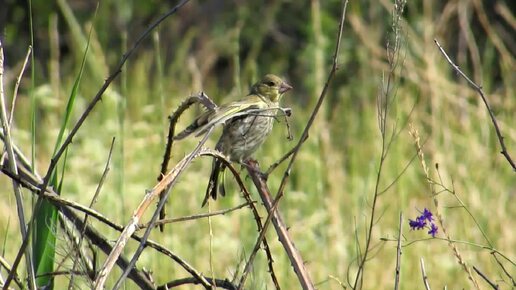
(417, 224)
(427, 215)
(433, 230)
(425, 220)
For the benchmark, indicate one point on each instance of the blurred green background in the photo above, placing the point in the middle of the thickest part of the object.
(222, 47)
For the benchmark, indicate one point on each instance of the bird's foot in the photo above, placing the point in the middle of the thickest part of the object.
(254, 166)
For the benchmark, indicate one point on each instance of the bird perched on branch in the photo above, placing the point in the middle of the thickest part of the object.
(247, 123)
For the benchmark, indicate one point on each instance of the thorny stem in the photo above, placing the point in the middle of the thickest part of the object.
(304, 137)
(146, 235)
(75, 129)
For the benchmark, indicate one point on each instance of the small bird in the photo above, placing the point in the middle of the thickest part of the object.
(247, 123)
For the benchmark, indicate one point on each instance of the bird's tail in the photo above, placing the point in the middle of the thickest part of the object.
(216, 182)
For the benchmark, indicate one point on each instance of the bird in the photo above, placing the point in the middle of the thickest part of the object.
(246, 124)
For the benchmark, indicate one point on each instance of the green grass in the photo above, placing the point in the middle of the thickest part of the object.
(330, 191)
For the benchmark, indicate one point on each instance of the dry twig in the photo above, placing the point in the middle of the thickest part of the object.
(199, 98)
(25, 232)
(493, 285)
(423, 273)
(166, 185)
(398, 254)
(195, 216)
(93, 201)
(259, 181)
(484, 99)
(79, 123)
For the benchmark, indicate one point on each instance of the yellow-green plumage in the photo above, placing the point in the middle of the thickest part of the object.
(247, 123)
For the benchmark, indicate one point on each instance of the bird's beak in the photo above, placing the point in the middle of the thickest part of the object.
(284, 87)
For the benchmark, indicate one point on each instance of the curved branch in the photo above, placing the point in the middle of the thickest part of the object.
(199, 98)
(481, 93)
(247, 196)
(225, 284)
(80, 121)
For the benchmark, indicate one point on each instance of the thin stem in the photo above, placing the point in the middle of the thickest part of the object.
(16, 186)
(484, 99)
(398, 254)
(85, 114)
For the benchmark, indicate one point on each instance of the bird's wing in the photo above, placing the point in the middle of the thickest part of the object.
(224, 113)
(194, 126)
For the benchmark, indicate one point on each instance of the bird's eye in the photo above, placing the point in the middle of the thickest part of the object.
(270, 83)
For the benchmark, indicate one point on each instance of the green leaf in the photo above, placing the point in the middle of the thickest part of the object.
(45, 227)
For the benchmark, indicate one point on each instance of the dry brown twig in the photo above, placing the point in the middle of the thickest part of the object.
(194, 217)
(32, 181)
(423, 274)
(93, 201)
(281, 230)
(102, 242)
(9, 146)
(271, 205)
(480, 91)
(224, 284)
(164, 185)
(494, 253)
(204, 100)
(80, 122)
(398, 254)
(7, 267)
(254, 211)
(493, 285)
(201, 98)
(17, 84)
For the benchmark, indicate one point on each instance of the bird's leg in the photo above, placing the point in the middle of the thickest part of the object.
(253, 163)
(254, 166)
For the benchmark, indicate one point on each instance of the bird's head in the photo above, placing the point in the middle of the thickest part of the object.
(271, 87)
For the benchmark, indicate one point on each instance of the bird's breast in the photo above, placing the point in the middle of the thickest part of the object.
(243, 136)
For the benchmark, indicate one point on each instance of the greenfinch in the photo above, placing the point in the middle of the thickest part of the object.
(247, 123)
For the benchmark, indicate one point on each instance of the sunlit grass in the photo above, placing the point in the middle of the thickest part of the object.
(330, 190)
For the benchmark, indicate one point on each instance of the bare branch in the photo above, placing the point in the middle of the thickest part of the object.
(164, 185)
(281, 231)
(17, 84)
(484, 99)
(259, 179)
(93, 200)
(25, 232)
(7, 267)
(256, 215)
(503, 267)
(195, 216)
(225, 284)
(32, 181)
(320, 101)
(423, 273)
(493, 285)
(398, 254)
(80, 121)
(199, 98)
